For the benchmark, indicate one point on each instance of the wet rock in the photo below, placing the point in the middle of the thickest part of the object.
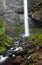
(14, 4)
(37, 48)
(12, 17)
(24, 62)
(30, 51)
(18, 59)
(18, 5)
(10, 31)
(16, 43)
(20, 52)
(37, 17)
(3, 7)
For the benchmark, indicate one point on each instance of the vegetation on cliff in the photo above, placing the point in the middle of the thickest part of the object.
(18, 29)
(5, 41)
(35, 39)
(3, 26)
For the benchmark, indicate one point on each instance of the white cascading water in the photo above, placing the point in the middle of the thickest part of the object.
(2, 59)
(26, 24)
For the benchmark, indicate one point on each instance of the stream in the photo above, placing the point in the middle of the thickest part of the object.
(11, 52)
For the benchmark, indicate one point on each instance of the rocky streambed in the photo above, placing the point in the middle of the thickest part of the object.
(24, 53)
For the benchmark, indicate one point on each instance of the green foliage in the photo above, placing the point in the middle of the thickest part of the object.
(37, 63)
(5, 41)
(35, 30)
(18, 29)
(33, 56)
(2, 49)
(30, 64)
(3, 26)
(35, 38)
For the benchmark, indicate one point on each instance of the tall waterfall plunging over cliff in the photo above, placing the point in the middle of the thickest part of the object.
(26, 24)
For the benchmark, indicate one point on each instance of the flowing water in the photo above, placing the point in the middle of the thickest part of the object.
(2, 59)
(26, 24)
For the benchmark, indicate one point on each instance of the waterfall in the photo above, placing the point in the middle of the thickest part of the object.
(26, 24)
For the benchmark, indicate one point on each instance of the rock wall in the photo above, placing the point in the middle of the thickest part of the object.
(14, 13)
(17, 6)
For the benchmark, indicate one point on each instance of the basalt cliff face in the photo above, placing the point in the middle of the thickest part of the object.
(14, 13)
(14, 9)
(18, 4)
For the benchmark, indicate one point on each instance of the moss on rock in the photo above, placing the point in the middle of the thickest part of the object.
(35, 39)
